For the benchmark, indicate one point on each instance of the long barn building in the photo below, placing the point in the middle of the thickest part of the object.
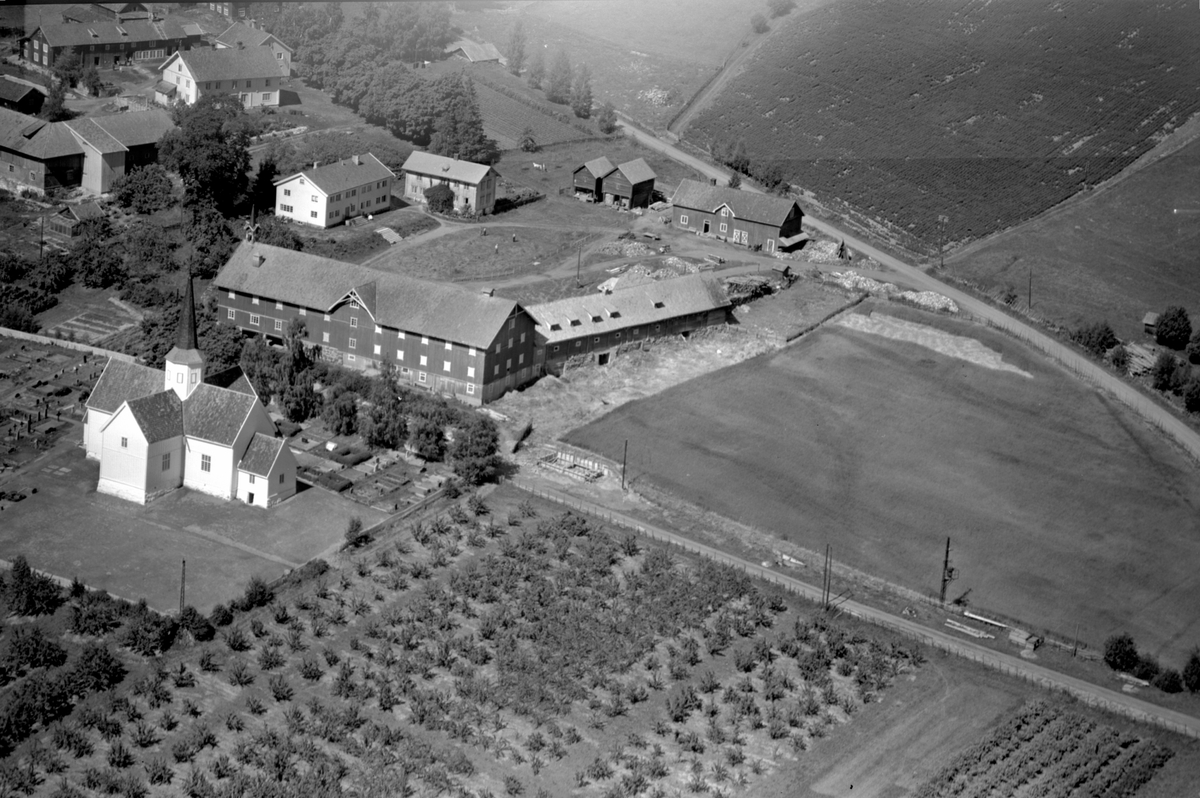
(757, 221)
(439, 337)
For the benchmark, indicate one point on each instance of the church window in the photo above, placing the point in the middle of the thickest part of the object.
(124, 443)
(281, 479)
(167, 461)
(206, 462)
(251, 479)
(179, 377)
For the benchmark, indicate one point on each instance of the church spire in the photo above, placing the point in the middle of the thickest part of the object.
(187, 318)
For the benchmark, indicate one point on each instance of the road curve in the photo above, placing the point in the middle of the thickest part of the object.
(1157, 415)
(1091, 694)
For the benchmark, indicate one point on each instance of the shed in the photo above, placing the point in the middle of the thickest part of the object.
(69, 221)
(1150, 323)
(629, 185)
(589, 177)
(20, 97)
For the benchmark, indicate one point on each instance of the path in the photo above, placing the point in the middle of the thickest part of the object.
(716, 85)
(1084, 368)
(1091, 694)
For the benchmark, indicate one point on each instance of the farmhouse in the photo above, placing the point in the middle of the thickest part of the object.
(328, 195)
(244, 9)
(475, 52)
(111, 43)
(439, 337)
(251, 73)
(155, 431)
(755, 220)
(629, 185)
(596, 326)
(473, 184)
(90, 152)
(20, 97)
(240, 35)
(587, 179)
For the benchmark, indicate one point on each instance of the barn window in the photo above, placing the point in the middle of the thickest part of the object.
(378, 329)
(254, 300)
(449, 347)
(658, 304)
(471, 352)
(233, 295)
(254, 319)
(520, 359)
(470, 371)
(425, 339)
(420, 376)
(303, 311)
(232, 315)
(723, 227)
(399, 354)
(445, 365)
(555, 327)
(278, 325)
(378, 349)
(353, 321)
(555, 348)
(251, 479)
(281, 478)
(470, 387)
(279, 306)
(424, 360)
(683, 218)
(618, 335)
(350, 358)
(353, 343)
(400, 335)
(325, 337)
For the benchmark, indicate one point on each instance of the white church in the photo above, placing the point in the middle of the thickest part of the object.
(154, 431)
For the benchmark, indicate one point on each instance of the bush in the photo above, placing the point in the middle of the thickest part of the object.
(1120, 653)
(356, 536)
(440, 198)
(149, 633)
(257, 594)
(1119, 357)
(31, 593)
(96, 669)
(221, 615)
(1162, 374)
(1096, 338)
(29, 648)
(759, 23)
(1174, 328)
(1168, 680)
(200, 627)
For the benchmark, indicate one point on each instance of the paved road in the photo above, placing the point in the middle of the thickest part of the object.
(1091, 694)
(1169, 423)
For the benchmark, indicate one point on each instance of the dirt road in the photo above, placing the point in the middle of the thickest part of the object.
(1089, 693)
(1157, 415)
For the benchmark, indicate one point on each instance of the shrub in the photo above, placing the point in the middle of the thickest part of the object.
(356, 536)
(236, 639)
(95, 669)
(1191, 672)
(240, 675)
(200, 628)
(159, 772)
(759, 23)
(28, 648)
(148, 633)
(1147, 668)
(94, 613)
(119, 756)
(1174, 328)
(1162, 373)
(440, 198)
(1119, 357)
(280, 689)
(1096, 338)
(257, 594)
(1168, 680)
(31, 593)
(221, 615)
(1191, 395)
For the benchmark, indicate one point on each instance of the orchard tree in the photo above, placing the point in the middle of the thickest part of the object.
(96, 262)
(96, 669)
(559, 80)
(30, 593)
(144, 190)
(209, 150)
(528, 142)
(1174, 328)
(67, 67)
(473, 452)
(581, 93)
(1121, 654)
(606, 120)
(537, 67)
(516, 48)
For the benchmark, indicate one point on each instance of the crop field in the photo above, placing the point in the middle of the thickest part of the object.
(1113, 255)
(505, 119)
(986, 113)
(884, 448)
(497, 648)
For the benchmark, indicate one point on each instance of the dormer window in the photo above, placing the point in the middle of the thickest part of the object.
(555, 327)
(659, 305)
(597, 319)
(613, 314)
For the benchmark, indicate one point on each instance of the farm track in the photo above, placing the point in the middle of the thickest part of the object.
(1091, 694)
(715, 86)
(1158, 416)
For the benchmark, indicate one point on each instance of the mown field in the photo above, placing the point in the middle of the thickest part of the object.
(498, 647)
(987, 113)
(1113, 255)
(1063, 508)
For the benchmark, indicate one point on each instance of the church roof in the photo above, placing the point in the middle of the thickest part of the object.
(121, 381)
(216, 414)
(261, 455)
(232, 378)
(158, 416)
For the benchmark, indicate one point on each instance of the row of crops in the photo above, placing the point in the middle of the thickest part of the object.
(985, 113)
(1043, 750)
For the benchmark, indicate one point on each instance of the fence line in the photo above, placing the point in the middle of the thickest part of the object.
(960, 649)
(45, 339)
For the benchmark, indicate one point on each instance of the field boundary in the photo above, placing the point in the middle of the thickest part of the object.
(63, 342)
(1090, 694)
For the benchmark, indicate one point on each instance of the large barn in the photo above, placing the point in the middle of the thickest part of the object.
(594, 327)
(758, 221)
(439, 337)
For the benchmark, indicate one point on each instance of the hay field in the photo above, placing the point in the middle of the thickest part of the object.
(1063, 507)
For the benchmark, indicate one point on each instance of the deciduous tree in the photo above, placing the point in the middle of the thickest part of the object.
(144, 190)
(341, 414)
(759, 23)
(473, 452)
(516, 48)
(581, 93)
(560, 79)
(209, 150)
(54, 109)
(427, 439)
(780, 8)
(67, 67)
(537, 67)
(439, 198)
(1174, 328)
(606, 120)
(1191, 672)
(1120, 653)
(31, 593)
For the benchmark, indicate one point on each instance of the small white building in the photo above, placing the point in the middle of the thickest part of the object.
(251, 74)
(249, 34)
(325, 196)
(154, 431)
(473, 184)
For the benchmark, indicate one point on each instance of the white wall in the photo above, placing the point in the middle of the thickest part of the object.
(92, 437)
(302, 202)
(218, 481)
(159, 481)
(123, 468)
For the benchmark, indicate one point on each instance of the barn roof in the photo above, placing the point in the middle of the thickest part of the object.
(599, 167)
(80, 34)
(11, 91)
(438, 310)
(753, 207)
(239, 32)
(135, 128)
(216, 414)
(637, 171)
(121, 381)
(344, 175)
(42, 140)
(474, 51)
(96, 136)
(426, 163)
(261, 455)
(566, 319)
(228, 63)
(158, 415)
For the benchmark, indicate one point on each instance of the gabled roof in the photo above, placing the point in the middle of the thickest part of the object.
(135, 128)
(79, 34)
(439, 310)
(637, 171)
(36, 138)
(121, 381)
(227, 63)
(157, 415)
(261, 455)
(216, 414)
(439, 166)
(599, 167)
(474, 51)
(240, 32)
(83, 211)
(13, 92)
(566, 319)
(96, 136)
(232, 378)
(344, 175)
(762, 208)
(43, 140)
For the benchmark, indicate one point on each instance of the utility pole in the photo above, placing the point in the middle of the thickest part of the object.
(942, 241)
(624, 458)
(42, 239)
(948, 572)
(182, 583)
(826, 582)
(578, 263)
(1030, 286)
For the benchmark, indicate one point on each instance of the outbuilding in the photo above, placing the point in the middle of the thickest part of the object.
(588, 178)
(758, 221)
(629, 185)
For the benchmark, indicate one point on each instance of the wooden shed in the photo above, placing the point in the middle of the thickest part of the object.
(69, 221)
(588, 178)
(629, 185)
(1150, 323)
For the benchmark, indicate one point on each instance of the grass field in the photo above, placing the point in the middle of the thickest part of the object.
(1113, 255)
(884, 448)
(985, 113)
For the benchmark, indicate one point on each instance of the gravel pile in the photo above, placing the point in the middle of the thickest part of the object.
(821, 252)
(854, 281)
(930, 300)
(626, 249)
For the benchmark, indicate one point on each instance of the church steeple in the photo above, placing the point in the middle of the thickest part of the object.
(185, 364)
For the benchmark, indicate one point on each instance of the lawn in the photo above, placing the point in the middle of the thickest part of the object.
(987, 114)
(1112, 255)
(884, 448)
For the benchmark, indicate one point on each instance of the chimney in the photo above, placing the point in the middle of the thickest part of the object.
(487, 291)
(316, 164)
(259, 260)
(356, 161)
(241, 46)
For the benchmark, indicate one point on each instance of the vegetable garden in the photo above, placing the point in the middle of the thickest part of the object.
(494, 648)
(987, 114)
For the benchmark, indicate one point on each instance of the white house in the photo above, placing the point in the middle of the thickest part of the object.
(328, 195)
(250, 73)
(241, 34)
(154, 431)
(473, 184)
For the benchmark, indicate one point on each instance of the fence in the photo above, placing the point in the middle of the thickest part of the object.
(45, 339)
(1042, 677)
